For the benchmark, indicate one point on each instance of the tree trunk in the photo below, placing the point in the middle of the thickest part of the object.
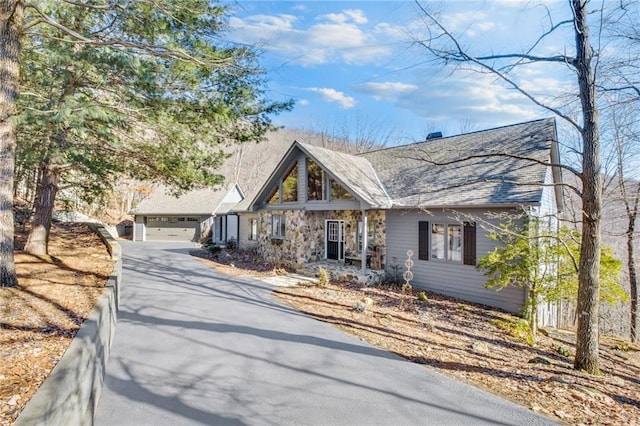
(586, 358)
(633, 279)
(38, 240)
(11, 19)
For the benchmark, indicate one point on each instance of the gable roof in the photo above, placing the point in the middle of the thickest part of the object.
(355, 173)
(201, 202)
(502, 166)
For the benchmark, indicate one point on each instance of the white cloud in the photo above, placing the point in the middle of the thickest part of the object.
(471, 23)
(334, 37)
(355, 15)
(387, 91)
(332, 95)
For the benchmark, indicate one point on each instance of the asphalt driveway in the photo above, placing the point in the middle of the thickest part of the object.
(196, 347)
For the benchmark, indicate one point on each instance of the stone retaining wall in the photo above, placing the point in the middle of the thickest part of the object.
(71, 393)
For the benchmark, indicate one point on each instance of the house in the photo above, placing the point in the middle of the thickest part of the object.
(438, 199)
(189, 216)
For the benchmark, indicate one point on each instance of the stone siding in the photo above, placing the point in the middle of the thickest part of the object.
(304, 237)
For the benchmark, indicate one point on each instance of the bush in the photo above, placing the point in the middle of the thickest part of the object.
(323, 277)
(422, 296)
(518, 328)
(232, 244)
(214, 249)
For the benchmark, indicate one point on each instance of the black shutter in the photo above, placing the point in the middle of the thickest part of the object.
(469, 241)
(423, 240)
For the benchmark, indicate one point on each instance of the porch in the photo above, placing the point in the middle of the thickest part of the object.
(341, 271)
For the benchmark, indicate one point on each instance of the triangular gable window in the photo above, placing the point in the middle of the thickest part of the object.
(315, 181)
(290, 186)
(287, 188)
(338, 192)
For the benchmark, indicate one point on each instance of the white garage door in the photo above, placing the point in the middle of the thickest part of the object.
(172, 228)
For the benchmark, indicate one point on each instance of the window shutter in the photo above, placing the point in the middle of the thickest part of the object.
(469, 241)
(423, 240)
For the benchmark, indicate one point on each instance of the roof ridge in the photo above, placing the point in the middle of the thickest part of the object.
(453, 136)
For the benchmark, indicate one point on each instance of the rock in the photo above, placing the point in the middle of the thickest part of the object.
(223, 257)
(562, 380)
(563, 415)
(13, 400)
(480, 348)
(539, 360)
(367, 301)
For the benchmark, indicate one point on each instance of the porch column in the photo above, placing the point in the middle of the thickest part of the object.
(365, 243)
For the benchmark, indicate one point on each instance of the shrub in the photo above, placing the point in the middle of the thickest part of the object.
(323, 277)
(232, 244)
(214, 249)
(422, 296)
(518, 328)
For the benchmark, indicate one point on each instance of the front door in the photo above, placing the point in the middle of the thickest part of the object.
(335, 239)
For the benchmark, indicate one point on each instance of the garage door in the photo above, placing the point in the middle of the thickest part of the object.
(170, 228)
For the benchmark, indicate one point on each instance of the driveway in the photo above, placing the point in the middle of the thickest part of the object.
(196, 347)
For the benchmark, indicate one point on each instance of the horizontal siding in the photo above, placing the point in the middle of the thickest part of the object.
(453, 279)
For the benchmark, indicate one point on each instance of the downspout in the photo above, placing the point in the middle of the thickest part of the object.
(365, 242)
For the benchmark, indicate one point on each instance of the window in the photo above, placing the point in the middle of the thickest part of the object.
(370, 234)
(454, 243)
(315, 180)
(338, 192)
(437, 241)
(290, 185)
(274, 198)
(187, 219)
(277, 226)
(450, 242)
(253, 229)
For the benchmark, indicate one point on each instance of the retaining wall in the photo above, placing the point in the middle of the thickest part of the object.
(70, 395)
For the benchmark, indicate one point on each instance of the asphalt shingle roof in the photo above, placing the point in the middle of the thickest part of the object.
(482, 168)
(197, 202)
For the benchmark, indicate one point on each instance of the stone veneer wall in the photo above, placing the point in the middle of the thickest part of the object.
(305, 234)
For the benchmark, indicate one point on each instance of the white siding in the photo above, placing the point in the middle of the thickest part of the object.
(138, 228)
(232, 227)
(245, 229)
(453, 279)
(233, 196)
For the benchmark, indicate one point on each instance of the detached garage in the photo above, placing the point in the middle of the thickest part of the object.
(188, 217)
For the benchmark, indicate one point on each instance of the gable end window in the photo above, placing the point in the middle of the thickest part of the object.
(277, 226)
(447, 242)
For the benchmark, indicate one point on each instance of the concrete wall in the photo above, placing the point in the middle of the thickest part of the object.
(71, 393)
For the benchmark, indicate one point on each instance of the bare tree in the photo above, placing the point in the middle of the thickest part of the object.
(626, 138)
(582, 61)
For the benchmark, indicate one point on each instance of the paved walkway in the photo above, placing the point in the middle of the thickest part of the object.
(195, 347)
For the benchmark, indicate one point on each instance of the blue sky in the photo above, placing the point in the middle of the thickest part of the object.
(353, 64)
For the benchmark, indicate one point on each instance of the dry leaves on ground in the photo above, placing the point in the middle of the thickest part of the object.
(462, 339)
(40, 316)
(466, 341)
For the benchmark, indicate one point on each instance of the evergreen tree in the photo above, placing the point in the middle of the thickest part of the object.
(146, 89)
